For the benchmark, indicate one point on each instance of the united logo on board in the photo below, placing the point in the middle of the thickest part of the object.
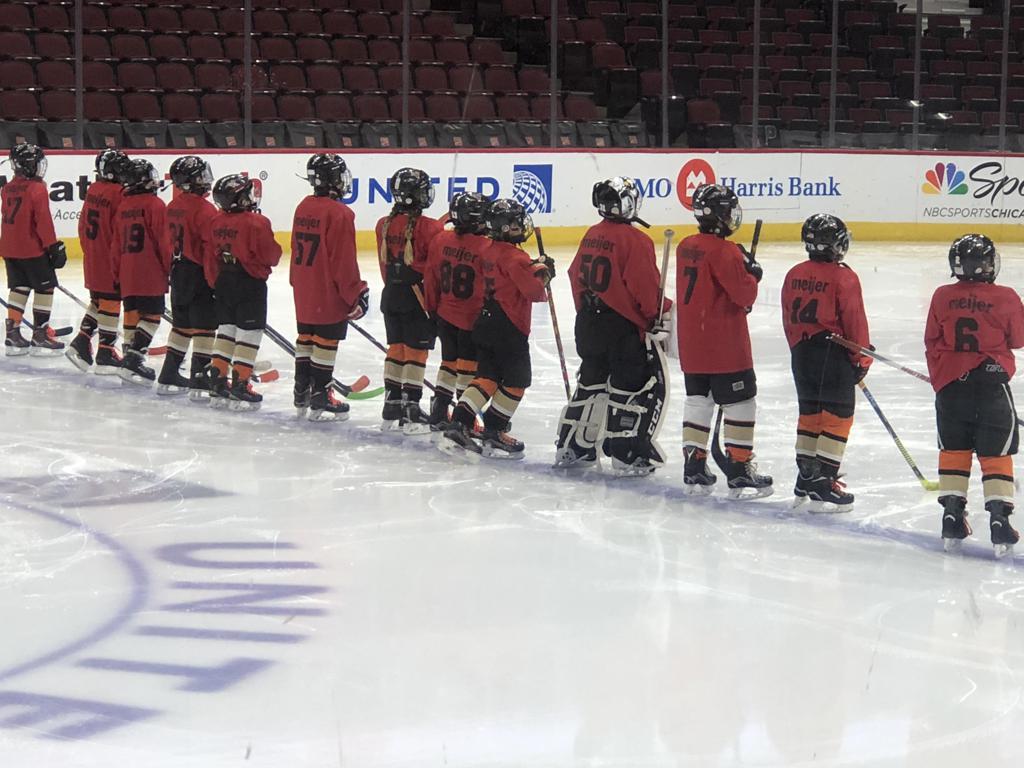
(944, 179)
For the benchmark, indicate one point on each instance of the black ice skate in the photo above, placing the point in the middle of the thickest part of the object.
(300, 399)
(198, 387)
(15, 345)
(324, 407)
(171, 382)
(42, 344)
(413, 421)
(108, 362)
(243, 397)
(391, 415)
(635, 466)
(573, 456)
(495, 444)
(439, 419)
(134, 369)
(744, 481)
(217, 387)
(79, 352)
(461, 440)
(698, 480)
(808, 470)
(1003, 534)
(955, 527)
(825, 490)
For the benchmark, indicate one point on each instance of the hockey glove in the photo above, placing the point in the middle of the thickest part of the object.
(549, 264)
(362, 306)
(58, 254)
(755, 269)
(659, 332)
(859, 372)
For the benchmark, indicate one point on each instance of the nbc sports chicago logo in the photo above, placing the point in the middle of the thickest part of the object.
(532, 188)
(944, 179)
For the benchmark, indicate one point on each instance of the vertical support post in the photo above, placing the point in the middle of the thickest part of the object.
(79, 79)
(833, 76)
(556, 90)
(406, 69)
(664, 74)
(1004, 77)
(755, 123)
(918, 33)
(247, 74)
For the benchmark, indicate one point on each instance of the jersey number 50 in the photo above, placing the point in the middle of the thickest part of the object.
(596, 272)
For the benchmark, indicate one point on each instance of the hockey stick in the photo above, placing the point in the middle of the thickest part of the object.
(663, 281)
(716, 450)
(554, 321)
(369, 337)
(50, 331)
(928, 485)
(855, 347)
(345, 389)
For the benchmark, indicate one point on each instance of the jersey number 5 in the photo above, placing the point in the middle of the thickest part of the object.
(301, 239)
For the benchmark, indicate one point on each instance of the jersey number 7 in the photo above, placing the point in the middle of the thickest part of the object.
(301, 239)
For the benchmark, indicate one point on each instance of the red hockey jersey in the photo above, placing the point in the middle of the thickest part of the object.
(616, 262)
(514, 280)
(96, 233)
(140, 257)
(713, 294)
(324, 271)
(969, 322)
(820, 297)
(423, 231)
(188, 225)
(452, 286)
(248, 237)
(26, 227)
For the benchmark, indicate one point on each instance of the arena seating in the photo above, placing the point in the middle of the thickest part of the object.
(328, 72)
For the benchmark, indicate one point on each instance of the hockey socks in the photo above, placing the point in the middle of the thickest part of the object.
(954, 472)
(738, 432)
(697, 414)
(42, 306)
(17, 300)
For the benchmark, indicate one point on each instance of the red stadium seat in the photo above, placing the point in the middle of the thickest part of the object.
(333, 107)
(430, 78)
(55, 74)
(292, 106)
(371, 107)
(218, 107)
(359, 77)
(175, 76)
(22, 105)
(141, 106)
(416, 107)
(101, 105)
(324, 78)
(443, 107)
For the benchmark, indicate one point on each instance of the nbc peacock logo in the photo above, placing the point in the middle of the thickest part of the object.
(944, 179)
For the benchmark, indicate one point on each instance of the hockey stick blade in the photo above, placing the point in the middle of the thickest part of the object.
(64, 330)
(716, 450)
(367, 394)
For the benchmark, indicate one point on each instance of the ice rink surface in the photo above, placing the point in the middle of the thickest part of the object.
(195, 589)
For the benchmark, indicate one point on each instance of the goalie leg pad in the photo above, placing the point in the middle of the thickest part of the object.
(634, 418)
(580, 424)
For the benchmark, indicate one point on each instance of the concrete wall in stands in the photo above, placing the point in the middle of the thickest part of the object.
(882, 196)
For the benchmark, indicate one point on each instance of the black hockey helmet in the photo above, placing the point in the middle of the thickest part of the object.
(467, 211)
(236, 193)
(411, 189)
(974, 257)
(112, 165)
(192, 174)
(28, 161)
(508, 222)
(825, 237)
(141, 178)
(617, 199)
(717, 209)
(329, 175)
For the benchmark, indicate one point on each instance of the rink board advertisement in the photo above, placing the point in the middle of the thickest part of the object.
(890, 196)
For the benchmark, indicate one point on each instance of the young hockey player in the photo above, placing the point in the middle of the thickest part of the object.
(193, 310)
(31, 251)
(403, 237)
(96, 234)
(454, 293)
(513, 282)
(973, 327)
(140, 262)
(615, 282)
(326, 283)
(716, 284)
(240, 255)
(821, 296)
